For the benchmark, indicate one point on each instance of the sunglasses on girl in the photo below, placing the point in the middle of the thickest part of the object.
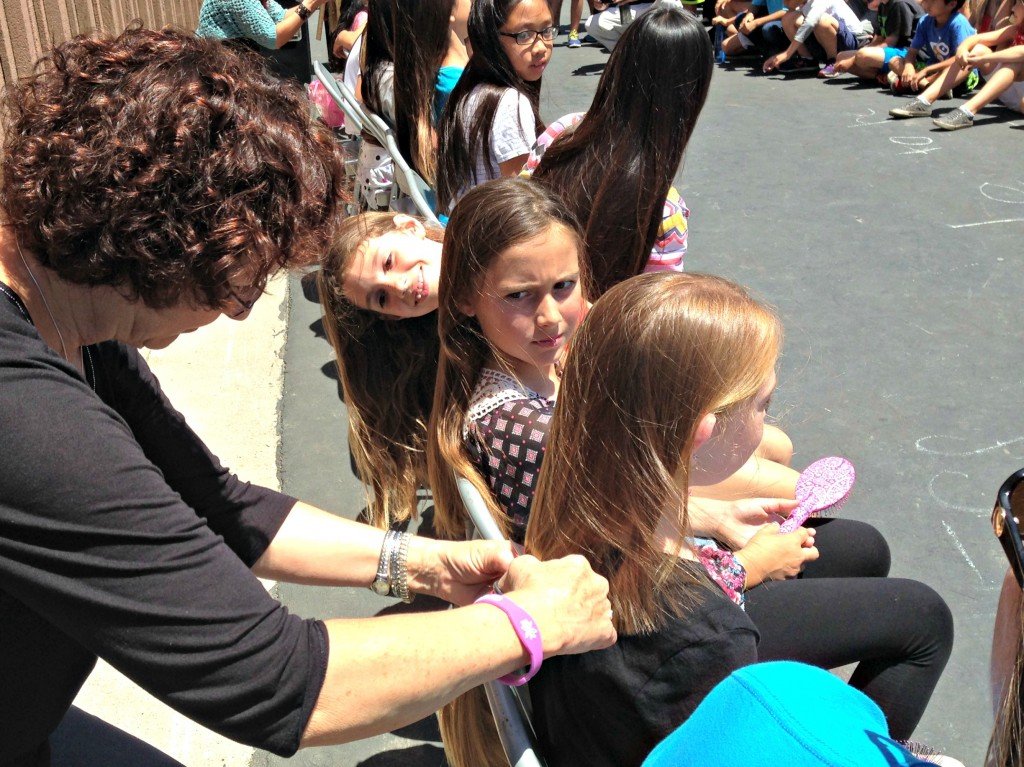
(1006, 524)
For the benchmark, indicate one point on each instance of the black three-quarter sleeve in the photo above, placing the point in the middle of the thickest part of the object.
(247, 516)
(112, 514)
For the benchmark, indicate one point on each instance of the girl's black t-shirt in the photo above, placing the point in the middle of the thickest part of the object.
(122, 537)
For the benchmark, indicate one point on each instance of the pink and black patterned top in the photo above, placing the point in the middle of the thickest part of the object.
(506, 434)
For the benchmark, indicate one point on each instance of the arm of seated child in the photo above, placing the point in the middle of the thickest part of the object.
(772, 555)
(734, 523)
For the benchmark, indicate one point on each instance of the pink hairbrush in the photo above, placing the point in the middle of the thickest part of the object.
(823, 486)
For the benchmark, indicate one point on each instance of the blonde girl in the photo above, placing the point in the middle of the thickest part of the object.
(667, 385)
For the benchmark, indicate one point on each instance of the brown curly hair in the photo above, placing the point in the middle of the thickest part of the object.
(165, 165)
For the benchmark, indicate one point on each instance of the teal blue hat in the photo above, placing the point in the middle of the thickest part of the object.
(783, 713)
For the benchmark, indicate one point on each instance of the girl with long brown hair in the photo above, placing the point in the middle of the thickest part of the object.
(377, 270)
(667, 386)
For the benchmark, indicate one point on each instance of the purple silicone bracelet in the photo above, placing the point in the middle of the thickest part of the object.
(527, 631)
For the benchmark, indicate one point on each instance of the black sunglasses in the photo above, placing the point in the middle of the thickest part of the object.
(1006, 525)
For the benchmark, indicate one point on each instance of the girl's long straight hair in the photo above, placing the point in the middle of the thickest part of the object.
(378, 53)
(462, 135)
(386, 369)
(421, 42)
(615, 168)
(489, 220)
(1006, 746)
(654, 355)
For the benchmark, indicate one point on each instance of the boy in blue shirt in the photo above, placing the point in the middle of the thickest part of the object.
(931, 51)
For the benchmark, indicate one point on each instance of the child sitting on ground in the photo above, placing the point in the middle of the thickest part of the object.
(833, 24)
(758, 31)
(998, 55)
(939, 34)
(897, 22)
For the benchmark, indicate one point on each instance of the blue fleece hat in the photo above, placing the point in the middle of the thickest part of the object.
(783, 714)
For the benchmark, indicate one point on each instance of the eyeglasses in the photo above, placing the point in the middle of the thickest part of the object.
(244, 306)
(1005, 524)
(529, 36)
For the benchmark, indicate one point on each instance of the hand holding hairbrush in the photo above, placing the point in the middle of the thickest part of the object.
(822, 488)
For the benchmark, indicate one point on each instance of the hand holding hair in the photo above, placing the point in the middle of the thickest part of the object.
(457, 571)
(567, 600)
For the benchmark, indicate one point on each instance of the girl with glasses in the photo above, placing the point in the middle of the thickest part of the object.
(492, 117)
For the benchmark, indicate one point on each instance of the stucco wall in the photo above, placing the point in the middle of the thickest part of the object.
(28, 28)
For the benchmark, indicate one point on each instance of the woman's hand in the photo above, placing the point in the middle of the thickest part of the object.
(456, 571)
(772, 555)
(567, 599)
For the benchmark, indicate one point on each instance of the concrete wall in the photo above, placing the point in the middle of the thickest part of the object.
(28, 28)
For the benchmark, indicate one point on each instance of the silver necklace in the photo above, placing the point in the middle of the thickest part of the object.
(46, 305)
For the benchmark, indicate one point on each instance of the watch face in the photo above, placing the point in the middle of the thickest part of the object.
(379, 587)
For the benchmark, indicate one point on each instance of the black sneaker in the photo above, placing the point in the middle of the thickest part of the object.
(798, 65)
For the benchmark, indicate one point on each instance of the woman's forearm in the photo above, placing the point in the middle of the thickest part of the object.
(387, 672)
(292, 22)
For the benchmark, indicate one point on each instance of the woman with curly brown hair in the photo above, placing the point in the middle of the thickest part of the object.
(148, 184)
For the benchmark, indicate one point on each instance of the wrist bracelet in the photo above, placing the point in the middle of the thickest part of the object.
(527, 631)
(399, 575)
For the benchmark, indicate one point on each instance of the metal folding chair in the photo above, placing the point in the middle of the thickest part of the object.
(515, 730)
(353, 118)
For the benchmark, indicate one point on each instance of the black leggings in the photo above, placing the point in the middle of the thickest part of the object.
(843, 609)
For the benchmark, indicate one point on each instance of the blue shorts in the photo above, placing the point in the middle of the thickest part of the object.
(888, 54)
(768, 39)
(846, 40)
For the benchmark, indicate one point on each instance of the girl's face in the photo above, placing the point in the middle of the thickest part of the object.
(397, 273)
(736, 435)
(529, 61)
(530, 302)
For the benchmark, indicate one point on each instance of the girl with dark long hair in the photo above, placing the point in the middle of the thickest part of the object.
(492, 117)
(430, 56)
(375, 87)
(614, 165)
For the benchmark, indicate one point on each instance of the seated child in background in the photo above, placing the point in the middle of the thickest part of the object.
(998, 55)
(819, 29)
(492, 116)
(897, 23)
(939, 34)
(758, 31)
(611, 19)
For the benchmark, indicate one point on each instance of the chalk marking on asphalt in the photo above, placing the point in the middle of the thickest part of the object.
(962, 550)
(987, 223)
(949, 504)
(999, 445)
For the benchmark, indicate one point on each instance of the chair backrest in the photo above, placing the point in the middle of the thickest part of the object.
(408, 180)
(518, 738)
(333, 87)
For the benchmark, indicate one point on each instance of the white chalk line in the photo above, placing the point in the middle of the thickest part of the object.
(986, 223)
(948, 504)
(963, 551)
(999, 445)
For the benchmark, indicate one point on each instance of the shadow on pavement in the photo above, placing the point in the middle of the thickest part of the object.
(83, 740)
(417, 756)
